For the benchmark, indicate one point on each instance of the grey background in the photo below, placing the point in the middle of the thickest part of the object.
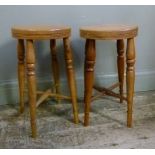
(76, 16)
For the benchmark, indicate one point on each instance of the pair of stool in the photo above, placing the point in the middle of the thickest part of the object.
(31, 34)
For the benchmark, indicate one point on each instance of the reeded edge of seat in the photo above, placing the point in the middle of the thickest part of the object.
(87, 33)
(43, 34)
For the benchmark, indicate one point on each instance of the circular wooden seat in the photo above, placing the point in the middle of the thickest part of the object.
(108, 32)
(41, 32)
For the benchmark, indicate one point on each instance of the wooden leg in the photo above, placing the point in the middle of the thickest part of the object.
(120, 66)
(90, 55)
(71, 77)
(21, 72)
(130, 78)
(55, 67)
(30, 61)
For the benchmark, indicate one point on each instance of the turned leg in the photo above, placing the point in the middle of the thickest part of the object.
(120, 66)
(130, 79)
(30, 61)
(90, 55)
(55, 67)
(71, 77)
(21, 72)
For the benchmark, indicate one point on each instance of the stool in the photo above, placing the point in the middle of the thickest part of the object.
(31, 34)
(110, 32)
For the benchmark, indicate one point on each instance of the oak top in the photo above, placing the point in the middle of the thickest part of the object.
(41, 32)
(108, 32)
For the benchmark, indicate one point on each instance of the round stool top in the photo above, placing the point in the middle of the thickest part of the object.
(41, 32)
(108, 32)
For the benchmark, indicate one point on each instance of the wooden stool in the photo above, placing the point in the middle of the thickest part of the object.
(30, 34)
(118, 33)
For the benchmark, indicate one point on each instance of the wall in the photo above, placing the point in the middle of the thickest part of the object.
(76, 16)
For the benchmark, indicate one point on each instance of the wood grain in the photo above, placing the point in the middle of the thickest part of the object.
(108, 32)
(41, 32)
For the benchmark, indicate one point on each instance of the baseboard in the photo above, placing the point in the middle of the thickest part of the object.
(145, 81)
